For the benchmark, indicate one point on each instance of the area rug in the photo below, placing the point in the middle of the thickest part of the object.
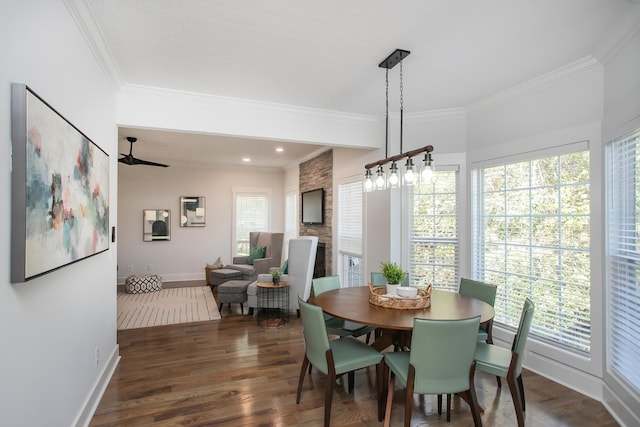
(166, 307)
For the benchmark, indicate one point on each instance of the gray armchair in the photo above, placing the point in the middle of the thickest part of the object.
(273, 256)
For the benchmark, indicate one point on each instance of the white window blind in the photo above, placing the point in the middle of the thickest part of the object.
(350, 232)
(623, 257)
(434, 243)
(252, 214)
(532, 239)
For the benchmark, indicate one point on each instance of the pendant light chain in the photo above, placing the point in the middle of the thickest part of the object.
(386, 126)
(401, 105)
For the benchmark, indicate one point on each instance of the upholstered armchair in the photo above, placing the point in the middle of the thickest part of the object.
(301, 260)
(273, 255)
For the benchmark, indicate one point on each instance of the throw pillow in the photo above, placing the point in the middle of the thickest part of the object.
(285, 267)
(255, 253)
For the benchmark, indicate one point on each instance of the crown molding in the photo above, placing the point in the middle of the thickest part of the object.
(437, 115)
(545, 81)
(86, 22)
(196, 98)
(620, 34)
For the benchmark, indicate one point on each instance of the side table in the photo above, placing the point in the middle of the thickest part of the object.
(273, 304)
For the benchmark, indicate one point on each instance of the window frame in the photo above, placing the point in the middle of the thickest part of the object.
(547, 347)
(409, 193)
(351, 253)
(253, 191)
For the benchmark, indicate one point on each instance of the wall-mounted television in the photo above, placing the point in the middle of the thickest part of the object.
(313, 206)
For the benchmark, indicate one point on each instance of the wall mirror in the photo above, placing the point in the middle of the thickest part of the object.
(156, 225)
(192, 211)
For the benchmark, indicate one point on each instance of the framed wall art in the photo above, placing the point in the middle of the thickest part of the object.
(59, 189)
(156, 225)
(192, 211)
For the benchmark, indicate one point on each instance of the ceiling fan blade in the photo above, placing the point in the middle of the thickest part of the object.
(128, 159)
(146, 162)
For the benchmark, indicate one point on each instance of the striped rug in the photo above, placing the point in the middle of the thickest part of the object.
(166, 307)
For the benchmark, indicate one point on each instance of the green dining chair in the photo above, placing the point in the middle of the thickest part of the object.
(484, 292)
(336, 326)
(377, 279)
(440, 361)
(506, 363)
(334, 358)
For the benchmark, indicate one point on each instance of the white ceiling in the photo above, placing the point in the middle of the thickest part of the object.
(325, 54)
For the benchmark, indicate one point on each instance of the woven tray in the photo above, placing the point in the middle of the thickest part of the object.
(377, 296)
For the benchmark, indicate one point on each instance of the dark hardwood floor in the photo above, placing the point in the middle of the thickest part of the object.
(232, 372)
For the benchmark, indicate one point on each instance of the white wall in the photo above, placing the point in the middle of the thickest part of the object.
(622, 115)
(190, 248)
(52, 325)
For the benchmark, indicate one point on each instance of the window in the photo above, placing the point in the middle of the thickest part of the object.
(350, 232)
(531, 238)
(623, 257)
(251, 214)
(434, 244)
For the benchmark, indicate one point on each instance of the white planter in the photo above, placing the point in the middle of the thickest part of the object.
(392, 289)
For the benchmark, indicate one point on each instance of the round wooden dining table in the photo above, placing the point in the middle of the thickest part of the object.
(353, 304)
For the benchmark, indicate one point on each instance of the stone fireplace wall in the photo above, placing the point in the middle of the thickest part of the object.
(318, 173)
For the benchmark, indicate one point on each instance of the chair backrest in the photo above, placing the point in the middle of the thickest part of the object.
(520, 340)
(377, 279)
(315, 335)
(271, 241)
(483, 291)
(302, 259)
(442, 352)
(324, 284)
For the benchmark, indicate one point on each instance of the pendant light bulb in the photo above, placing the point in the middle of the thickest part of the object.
(428, 173)
(380, 181)
(409, 173)
(394, 178)
(368, 181)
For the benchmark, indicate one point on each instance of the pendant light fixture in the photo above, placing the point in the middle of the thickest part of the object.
(412, 171)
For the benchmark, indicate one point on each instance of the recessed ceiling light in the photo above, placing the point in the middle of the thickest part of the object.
(279, 149)
(246, 159)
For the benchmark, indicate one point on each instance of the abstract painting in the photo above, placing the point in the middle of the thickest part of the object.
(60, 190)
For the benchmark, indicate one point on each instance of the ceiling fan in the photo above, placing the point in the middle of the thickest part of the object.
(128, 159)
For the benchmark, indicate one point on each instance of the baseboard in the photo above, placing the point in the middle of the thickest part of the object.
(92, 401)
(621, 407)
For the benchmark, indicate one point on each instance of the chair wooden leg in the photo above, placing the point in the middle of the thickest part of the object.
(368, 337)
(220, 309)
(328, 398)
(241, 309)
(351, 381)
(303, 369)
(383, 382)
(408, 401)
(439, 404)
(473, 397)
(390, 386)
(515, 396)
(448, 407)
(521, 388)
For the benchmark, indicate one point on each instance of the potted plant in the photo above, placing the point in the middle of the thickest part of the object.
(275, 274)
(394, 275)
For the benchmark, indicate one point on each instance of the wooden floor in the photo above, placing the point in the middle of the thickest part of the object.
(231, 372)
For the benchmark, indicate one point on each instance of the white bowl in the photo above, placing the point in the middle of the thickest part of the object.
(407, 291)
